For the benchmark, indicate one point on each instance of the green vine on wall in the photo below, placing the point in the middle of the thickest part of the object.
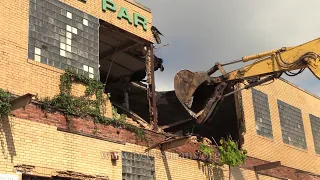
(229, 154)
(5, 106)
(87, 104)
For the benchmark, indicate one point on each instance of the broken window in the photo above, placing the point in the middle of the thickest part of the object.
(315, 126)
(137, 166)
(262, 114)
(291, 125)
(63, 37)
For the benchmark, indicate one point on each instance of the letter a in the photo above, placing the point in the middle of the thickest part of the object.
(123, 13)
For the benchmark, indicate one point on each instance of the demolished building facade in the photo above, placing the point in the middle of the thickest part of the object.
(112, 42)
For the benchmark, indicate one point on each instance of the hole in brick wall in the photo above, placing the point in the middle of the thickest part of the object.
(120, 68)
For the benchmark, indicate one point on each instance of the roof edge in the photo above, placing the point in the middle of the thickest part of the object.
(301, 89)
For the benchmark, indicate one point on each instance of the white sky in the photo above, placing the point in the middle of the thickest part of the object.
(200, 33)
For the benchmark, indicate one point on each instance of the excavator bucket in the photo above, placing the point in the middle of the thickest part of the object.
(196, 96)
(186, 83)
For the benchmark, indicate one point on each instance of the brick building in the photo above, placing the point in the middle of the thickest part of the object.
(105, 40)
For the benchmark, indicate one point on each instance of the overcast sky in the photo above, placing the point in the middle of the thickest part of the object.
(202, 32)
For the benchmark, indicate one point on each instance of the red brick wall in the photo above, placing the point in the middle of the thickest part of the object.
(86, 126)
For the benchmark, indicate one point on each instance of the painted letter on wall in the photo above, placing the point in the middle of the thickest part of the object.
(108, 4)
(123, 13)
(138, 19)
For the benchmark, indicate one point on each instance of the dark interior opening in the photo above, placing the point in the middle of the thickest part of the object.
(123, 53)
(222, 123)
(122, 63)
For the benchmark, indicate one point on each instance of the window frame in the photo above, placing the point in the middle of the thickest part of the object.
(51, 44)
(147, 164)
(262, 110)
(292, 125)
(317, 134)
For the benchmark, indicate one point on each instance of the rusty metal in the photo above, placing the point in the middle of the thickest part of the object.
(212, 70)
(225, 75)
(186, 83)
(133, 115)
(151, 87)
(175, 124)
(212, 104)
(240, 114)
(252, 85)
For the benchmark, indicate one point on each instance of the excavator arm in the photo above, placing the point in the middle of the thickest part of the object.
(199, 89)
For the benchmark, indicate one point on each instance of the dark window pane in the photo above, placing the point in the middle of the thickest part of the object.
(135, 166)
(315, 126)
(262, 114)
(291, 125)
(48, 21)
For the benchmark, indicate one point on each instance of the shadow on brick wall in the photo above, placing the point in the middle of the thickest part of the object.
(6, 132)
(166, 165)
(212, 173)
(237, 174)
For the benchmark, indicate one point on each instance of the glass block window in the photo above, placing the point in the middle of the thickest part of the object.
(315, 126)
(137, 166)
(262, 113)
(292, 125)
(63, 37)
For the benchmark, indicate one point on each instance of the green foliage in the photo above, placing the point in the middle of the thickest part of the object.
(230, 154)
(207, 150)
(5, 107)
(81, 106)
(117, 116)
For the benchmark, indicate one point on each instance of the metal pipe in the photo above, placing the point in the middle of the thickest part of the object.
(232, 62)
(251, 85)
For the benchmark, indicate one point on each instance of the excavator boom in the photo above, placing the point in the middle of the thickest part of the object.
(199, 89)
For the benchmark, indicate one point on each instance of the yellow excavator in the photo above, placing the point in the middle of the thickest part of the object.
(200, 94)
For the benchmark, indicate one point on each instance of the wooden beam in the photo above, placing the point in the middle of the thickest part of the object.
(157, 145)
(134, 116)
(151, 87)
(175, 143)
(139, 85)
(175, 124)
(126, 99)
(170, 143)
(21, 101)
(266, 166)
